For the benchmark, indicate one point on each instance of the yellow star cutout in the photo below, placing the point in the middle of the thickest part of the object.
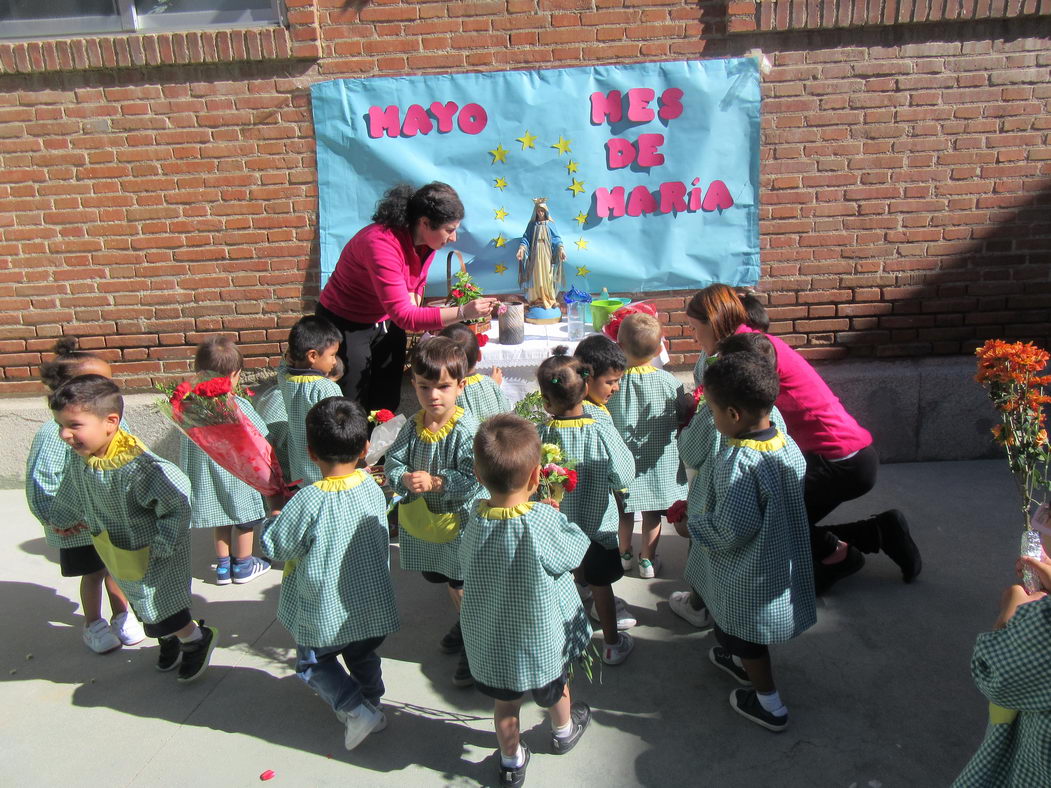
(562, 146)
(572, 166)
(500, 214)
(499, 241)
(527, 140)
(583, 270)
(499, 154)
(577, 187)
(581, 244)
(500, 184)
(500, 268)
(581, 218)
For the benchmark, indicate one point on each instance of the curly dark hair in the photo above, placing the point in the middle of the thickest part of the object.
(403, 206)
(746, 381)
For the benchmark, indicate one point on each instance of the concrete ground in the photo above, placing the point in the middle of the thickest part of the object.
(879, 690)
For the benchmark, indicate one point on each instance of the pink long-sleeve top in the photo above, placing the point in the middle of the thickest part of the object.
(376, 277)
(816, 419)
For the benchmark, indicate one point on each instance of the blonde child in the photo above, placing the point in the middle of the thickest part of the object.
(523, 624)
(482, 396)
(46, 466)
(137, 507)
(312, 346)
(337, 600)
(644, 412)
(604, 464)
(431, 464)
(221, 501)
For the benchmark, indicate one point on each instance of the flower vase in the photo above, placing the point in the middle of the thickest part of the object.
(479, 326)
(558, 492)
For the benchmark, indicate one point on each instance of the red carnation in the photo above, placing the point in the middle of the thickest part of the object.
(571, 480)
(383, 415)
(457, 293)
(180, 391)
(677, 512)
(483, 340)
(216, 387)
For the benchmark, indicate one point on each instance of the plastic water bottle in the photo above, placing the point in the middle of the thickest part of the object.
(575, 320)
(605, 295)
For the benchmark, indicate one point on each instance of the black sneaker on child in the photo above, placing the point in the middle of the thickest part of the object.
(724, 660)
(452, 641)
(168, 654)
(512, 778)
(896, 541)
(579, 716)
(195, 656)
(746, 703)
(462, 677)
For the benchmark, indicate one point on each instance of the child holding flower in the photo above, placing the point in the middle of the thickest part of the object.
(482, 396)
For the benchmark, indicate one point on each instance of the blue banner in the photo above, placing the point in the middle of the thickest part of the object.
(651, 171)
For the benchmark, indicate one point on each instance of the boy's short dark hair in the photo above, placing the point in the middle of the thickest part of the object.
(756, 316)
(748, 342)
(337, 429)
(93, 393)
(311, 333)
(602, 354)
(745, 381)
(218, 354)
(466, 339)
(563, 379)
(436, 354)
(506, 450)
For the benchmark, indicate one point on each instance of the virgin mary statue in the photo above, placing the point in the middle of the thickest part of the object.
(540, 264)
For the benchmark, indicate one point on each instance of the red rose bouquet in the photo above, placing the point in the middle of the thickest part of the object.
(557, 474)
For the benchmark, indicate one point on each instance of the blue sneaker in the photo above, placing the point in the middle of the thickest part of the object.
(248, 570)
(222, 574)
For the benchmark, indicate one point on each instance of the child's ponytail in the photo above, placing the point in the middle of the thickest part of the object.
(563, 380)
(66, 363)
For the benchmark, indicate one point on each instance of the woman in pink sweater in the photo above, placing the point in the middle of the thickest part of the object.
(840, 459)
(374, 294)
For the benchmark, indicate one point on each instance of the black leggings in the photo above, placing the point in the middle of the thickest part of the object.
(373, 359)
(827, 485)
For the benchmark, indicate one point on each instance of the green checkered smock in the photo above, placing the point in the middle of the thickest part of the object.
(336, 587)
(1011, 667)
(49, 459)
(448, 453)
(597, 412)
(521, 617)
(301, 389)
(750, 560)
(139, 500)
(270, 405)
(482, 397)
(219, 497)
(604, 464)
(644, 413)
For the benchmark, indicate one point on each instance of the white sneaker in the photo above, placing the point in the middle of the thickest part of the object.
(679, 602)
(618, 652)
(100, 638)
(360, 722)
(625, 620)
(648, 569)
(127, 628)
(380, 726)
(627, 560)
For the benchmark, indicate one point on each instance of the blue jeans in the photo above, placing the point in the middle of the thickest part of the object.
(343, 689)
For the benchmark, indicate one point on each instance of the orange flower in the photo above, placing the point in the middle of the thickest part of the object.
(1041, 438)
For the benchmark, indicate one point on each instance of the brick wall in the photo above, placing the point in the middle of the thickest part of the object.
(906, 173)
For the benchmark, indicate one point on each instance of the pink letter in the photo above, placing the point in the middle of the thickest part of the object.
(444, 113)
(638, 101)
(383, 120)
(619, 153)
(673, 194)
(609, 202)
(671, 104)
(472, 119)
(603, 106)
(717, 197)
(648, 144)
(417, 121)
(641, 201)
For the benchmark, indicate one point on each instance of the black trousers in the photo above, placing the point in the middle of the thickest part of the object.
(373, 359)
(827, 485)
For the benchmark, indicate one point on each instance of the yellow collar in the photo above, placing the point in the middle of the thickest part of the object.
(340, 483)
(124, 448)
(475, 378)
(577, 422)
(594, 404)
(775, 443)
(433, 437)
(645, 369)
(503, 512)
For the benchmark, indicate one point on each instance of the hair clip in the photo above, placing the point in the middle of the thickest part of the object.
(555, 380)
(585, 373)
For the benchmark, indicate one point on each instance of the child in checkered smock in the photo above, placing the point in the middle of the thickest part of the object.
(604, 464)
(220, 500)
(482, 396)
(607, 363)
(750, 561)
(137, 507)
(644, 412)
(270, 405)
(523, 623)
(431, 464)
(49, 458)
(1011, 666)
(312, 346)
(337, 600)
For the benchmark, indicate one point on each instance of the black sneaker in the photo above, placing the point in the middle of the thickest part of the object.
(168, 654)
(723, 660)
(512, 778)
(462, 677)
(195, 655)
(896, 542)
(826, 575)
(580, 716)
(452, 641)
(746, 703)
